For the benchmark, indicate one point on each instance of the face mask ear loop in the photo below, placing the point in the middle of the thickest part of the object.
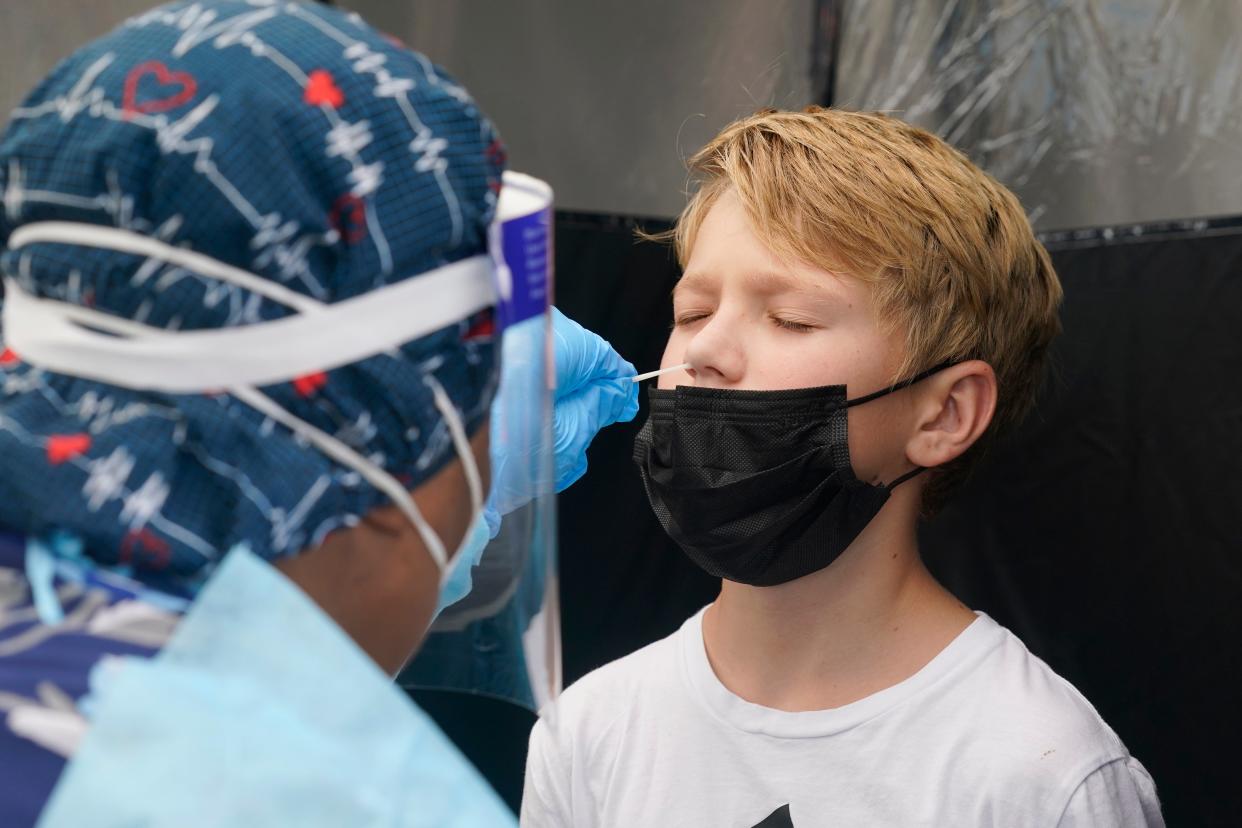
(344, 455)
(912, 473)
(462, 443)
(906, 383)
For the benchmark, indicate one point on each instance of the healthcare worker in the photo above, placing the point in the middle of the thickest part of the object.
(249, 350)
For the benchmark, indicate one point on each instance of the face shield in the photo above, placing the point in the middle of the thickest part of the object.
(502, 639)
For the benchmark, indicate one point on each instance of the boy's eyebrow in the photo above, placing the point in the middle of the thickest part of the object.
(766, 282)
(695, 279)
(769, 282)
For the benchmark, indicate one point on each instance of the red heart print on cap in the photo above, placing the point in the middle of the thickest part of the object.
(321, 89)
(64, 447)
(309, 384)
(175, 88)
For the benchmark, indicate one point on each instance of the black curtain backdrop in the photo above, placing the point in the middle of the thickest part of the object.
(1103, 532)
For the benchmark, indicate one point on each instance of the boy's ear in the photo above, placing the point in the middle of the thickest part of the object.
(953, 409)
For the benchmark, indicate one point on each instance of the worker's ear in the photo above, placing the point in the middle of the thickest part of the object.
(386, 520)
(376, 579)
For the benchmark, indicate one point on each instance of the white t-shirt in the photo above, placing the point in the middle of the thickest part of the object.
(985, 734)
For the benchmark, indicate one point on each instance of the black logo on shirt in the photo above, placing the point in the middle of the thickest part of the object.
(778, 819)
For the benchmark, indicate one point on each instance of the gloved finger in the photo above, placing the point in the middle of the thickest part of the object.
(583, 356)
(572, 351)
(574, 373)
(629, 407)
(571, 473)
(590, 410)
(611, 365)
(617, 402)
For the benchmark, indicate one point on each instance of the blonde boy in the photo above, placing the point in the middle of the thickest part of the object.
(861, 310)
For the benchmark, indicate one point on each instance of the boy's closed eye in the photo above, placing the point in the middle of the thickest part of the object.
(794, 324)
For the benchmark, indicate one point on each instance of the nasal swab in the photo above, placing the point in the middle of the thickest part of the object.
(651, 374)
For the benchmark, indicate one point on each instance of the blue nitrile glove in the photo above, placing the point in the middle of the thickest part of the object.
(593, 390)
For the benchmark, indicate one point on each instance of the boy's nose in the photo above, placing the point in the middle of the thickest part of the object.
(715, 356)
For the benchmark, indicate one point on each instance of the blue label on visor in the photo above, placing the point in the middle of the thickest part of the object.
(528, 260)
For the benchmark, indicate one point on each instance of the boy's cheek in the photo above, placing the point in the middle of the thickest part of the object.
(877, 443)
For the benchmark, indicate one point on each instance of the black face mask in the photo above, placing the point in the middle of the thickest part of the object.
(756, 486)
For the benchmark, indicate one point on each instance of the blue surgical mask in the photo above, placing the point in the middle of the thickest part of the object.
(457, 579)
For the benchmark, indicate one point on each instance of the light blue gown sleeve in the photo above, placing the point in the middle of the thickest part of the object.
(262, 711)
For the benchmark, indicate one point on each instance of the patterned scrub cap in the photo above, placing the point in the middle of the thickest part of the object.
(284, 138)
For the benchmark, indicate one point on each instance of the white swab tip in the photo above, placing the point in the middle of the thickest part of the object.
(652, 374)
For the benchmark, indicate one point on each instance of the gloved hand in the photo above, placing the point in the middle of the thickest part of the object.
(593, 390)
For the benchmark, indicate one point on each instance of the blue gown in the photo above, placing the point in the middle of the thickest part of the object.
(253, 708)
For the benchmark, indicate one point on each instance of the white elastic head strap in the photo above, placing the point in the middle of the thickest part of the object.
(129, 354)
(319, 337)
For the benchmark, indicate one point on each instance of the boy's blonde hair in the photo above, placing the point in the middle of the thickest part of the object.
(949, 252)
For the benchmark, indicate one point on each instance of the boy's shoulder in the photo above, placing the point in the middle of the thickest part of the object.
(1015, 713)
(620, 686)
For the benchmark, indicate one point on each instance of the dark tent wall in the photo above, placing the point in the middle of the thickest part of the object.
(1105, 532)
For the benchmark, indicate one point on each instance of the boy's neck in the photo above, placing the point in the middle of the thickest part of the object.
(870, 620)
